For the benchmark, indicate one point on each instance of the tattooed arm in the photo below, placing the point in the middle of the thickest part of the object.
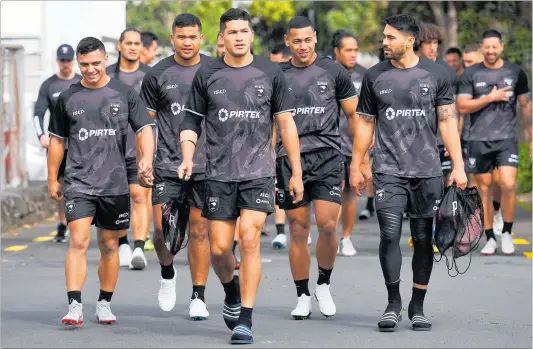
(525, 104)
(447, 115)
(364, 132)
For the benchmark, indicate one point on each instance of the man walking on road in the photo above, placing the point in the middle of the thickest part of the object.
(48, 95)
(93, 115)
(404, 99)
(238, 96)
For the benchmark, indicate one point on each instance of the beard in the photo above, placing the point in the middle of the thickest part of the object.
(396, 55)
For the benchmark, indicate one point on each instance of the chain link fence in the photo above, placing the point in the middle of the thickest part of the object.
(13, 172)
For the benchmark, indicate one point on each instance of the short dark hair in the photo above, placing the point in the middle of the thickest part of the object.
(234, 14)
(299, 22)
(147, 38)
(455, 50)
(186, 20)
(405, 23)
(471, 48)
(89, 44)
(283, 49)
(336, 41)
(491, 33)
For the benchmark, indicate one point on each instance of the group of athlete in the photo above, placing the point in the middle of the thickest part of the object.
(245, 137)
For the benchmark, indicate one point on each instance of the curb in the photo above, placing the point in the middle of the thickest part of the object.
(25, 206)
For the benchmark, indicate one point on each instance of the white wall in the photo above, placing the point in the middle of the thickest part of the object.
(52, 23)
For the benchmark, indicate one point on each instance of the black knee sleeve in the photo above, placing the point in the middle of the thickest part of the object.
(422, 264)
(390, 256)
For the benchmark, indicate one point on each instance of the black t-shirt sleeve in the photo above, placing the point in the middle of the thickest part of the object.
(367, 99)
(445, 90)
(344, 87)
(40, 107)
(466, 84)
(138, 116)
(150, 92)
(59, 120)
(196, 106)
(282, 98)
(522, 86)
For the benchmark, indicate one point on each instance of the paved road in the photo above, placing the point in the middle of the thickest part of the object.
(488, 307)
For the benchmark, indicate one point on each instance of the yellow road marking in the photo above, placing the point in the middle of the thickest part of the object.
(528, 254)
(43, 238)
(521, 242)
(15, 248)
(54, 233)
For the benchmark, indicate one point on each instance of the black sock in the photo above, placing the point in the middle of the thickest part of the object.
(490, 234)
(123, 240)
(232, 292)
(416, 306)
(234, 246)
(302, 287)
(245, 317)
(61, 229)
(74, 296)
(280, 228)
(395, 300)
(138, 243)
(198, 292)
(167, 271)
(323, 276)
(496, 205)
(507, 227)
(105, 296)
(370, 204)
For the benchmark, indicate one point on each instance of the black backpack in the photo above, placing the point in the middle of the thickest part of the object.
(459, 224)
(176, 222)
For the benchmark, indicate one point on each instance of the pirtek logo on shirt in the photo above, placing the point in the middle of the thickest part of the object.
(391, 113)
(311, 110)
(83, 133)
(224, 114)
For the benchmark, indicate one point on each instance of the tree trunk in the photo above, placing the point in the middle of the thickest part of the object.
(452, 24)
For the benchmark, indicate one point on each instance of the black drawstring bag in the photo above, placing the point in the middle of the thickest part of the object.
(459, 224)
(176, 222)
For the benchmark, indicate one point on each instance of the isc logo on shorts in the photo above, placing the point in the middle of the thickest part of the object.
(213, 204)
(380, 194)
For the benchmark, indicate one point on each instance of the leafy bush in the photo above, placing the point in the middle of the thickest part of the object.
(524, 169)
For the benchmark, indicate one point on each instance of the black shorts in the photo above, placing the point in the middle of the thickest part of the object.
(168, 186)
(418, 197)
(131, 170)
(323, 173)
(224, 200)
(108, 212)
(484, 156)
(445, 162)
(347, 163)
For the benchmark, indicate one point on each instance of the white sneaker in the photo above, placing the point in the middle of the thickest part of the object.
(347, 248)
(309, 241)
(325, 301)
(280, 241)
(74, 316)
(490, 247)
(497, 222)
(167, 293)
(198, 310)
(124, 255)
(365, 214)
(507, 244)
(303, 308)
(104, 314)
(138, 260)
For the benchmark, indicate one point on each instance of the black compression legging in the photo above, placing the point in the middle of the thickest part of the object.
(390, 256)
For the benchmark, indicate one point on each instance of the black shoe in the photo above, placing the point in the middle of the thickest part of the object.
(420, 322)
(389, 321)
(242, 334)
(61, 233)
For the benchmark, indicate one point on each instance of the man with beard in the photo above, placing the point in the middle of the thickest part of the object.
(131, 71)
(404, 99)
(489, 92)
